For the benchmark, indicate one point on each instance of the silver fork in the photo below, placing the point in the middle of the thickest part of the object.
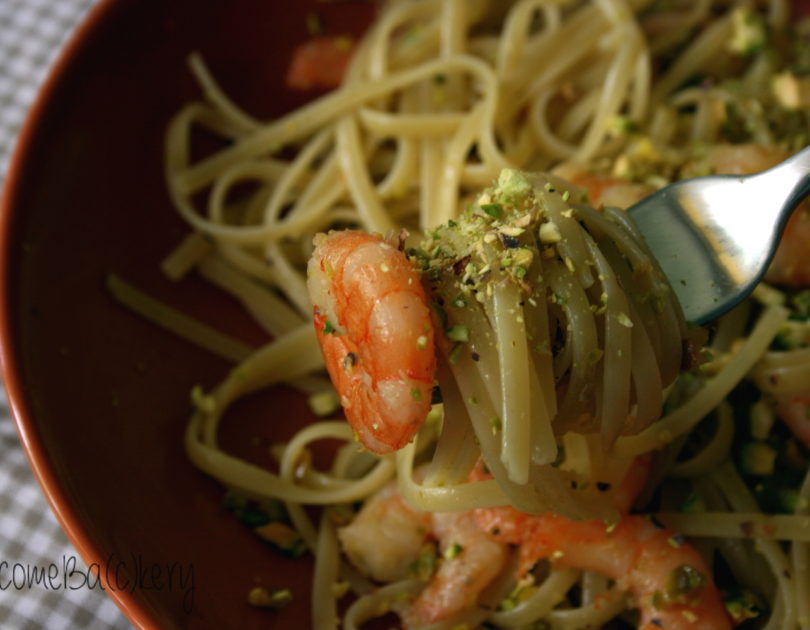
(715, 236)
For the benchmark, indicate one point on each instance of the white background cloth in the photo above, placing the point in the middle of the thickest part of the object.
(31, 34)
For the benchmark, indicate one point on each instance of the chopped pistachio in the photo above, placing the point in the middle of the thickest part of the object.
(748, 31)
(459, 333)
(550, 233)
(425, 563)
(513, 183)
(495, 210)
(260, 597)
(453, 551)
(624, 320)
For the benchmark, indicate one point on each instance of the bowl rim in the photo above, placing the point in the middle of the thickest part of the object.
(23, 416)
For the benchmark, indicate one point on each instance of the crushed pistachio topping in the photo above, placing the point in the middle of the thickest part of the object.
(425, 564)
(523, 590)
(748, 32)
(550, 233)
(261, 597)
(682, 583)
(624, 320)
(458, 333)
(453, 551)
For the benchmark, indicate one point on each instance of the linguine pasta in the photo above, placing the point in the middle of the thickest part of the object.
(441, 97)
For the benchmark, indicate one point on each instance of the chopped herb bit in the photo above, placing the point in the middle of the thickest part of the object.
(513, 183)
(549, 233)
(683, 581)
(455, 353)
(459, 333)
(495, 210)
(748, 32)
(676, 540)
(453, 551)
(742, 605)
(425, 563)
(422, 342)
(252, 516)
(327, 329)
(416, 393)
(624, 320)
(495, 424)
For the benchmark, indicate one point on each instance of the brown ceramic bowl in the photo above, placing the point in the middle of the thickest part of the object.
(101, 396)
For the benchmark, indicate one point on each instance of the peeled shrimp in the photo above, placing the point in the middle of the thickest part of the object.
(386, 537)
(471, 560)
(668, 578)
(791, 264)
(603, 190)
(794, 411)
(373, 323)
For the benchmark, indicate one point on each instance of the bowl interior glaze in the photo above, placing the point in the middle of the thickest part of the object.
(101, 396)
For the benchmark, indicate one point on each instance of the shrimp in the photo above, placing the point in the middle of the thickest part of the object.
(387, 537)
(470, 562)
(668, 577)
(603, 190)
(320, 63)
(373, 323)
(794, 411)
(791, 263)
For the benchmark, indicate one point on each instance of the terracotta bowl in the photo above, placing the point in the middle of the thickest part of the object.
(101, 397)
